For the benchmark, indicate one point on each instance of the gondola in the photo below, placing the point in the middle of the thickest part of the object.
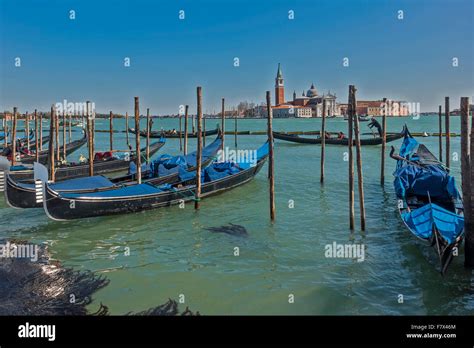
(28, 158)
(45, 140)
(20, 187)
(171, 134)
(31, 136)
(429, 203)
(334, 141)
(101, 166)
(22, 194)
(216, 178)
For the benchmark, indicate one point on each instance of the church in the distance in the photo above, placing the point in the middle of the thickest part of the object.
(309, 104)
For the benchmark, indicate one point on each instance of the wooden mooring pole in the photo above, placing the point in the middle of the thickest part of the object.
(137, 141)
(36, 137)
(40, 132)
(148, 126)
(352, 114)
(52, 123)
(235, 129)
(27, 121)
(197, 197)
(448, 136)
(360, 176)
(440, 136)
(186, 109)
(223, 122)
(5, 129)
(90, 137)
(204, 131)
(467, 185)
(384, 141)
(126, 129)
(111, 130)
(56, 135)
(64, 133)
(14, 135)
(180, 133)
(323, 140)
(271, 162)
(70, 127)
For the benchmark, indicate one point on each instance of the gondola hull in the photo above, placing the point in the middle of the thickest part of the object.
(58, 207)
(168, 134)
(43, 155)
(20, 193)
(367, 141)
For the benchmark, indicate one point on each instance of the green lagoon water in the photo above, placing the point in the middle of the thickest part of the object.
(172, 253)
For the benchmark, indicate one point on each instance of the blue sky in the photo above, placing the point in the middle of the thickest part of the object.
(82, 59)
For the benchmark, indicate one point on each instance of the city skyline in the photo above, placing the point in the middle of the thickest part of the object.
(172, 52)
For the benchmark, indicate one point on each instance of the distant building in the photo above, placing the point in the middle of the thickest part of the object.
(285, 111)
(376, 108)
(302, 106)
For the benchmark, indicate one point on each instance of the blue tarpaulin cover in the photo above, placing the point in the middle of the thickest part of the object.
(85, 183)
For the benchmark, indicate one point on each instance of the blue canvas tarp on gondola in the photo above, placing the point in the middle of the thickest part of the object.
(430, 180)
(422, 220)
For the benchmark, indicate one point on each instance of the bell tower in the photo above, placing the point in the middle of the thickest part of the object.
(279, 87)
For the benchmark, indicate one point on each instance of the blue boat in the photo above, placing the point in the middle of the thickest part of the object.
(429, 203)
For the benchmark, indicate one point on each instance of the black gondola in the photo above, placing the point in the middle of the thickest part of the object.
(171, 134)
(139, 197)
(28, 158)
(22, 193)
(101, 166)
(334, 141)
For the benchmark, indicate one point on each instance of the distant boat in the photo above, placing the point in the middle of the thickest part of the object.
(171, 134)
(335, 141)
(361, 118)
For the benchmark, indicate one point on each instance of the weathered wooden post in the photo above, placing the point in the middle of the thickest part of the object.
(27, 121)
(52, 123)
(271, 162)
(137, 141)
(323, 140)
(70, 127)
(148, 135)
(186, 108)
(5, 130)
(14, 135)
(197, 197)
(235, 129)
(448, 135)
(223, 122)
(64, 133)
(440, 136)
(204, 131)
(193, 122)
(90, 137)
(41, 132)
(466, 172)
(36, 137)
(111, 130)
(180, 133)
(360, 176)
(126, 129)
(56, 135)
(384, 141)
(351, 113)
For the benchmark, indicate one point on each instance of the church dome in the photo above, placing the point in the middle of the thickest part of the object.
(312, 92)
